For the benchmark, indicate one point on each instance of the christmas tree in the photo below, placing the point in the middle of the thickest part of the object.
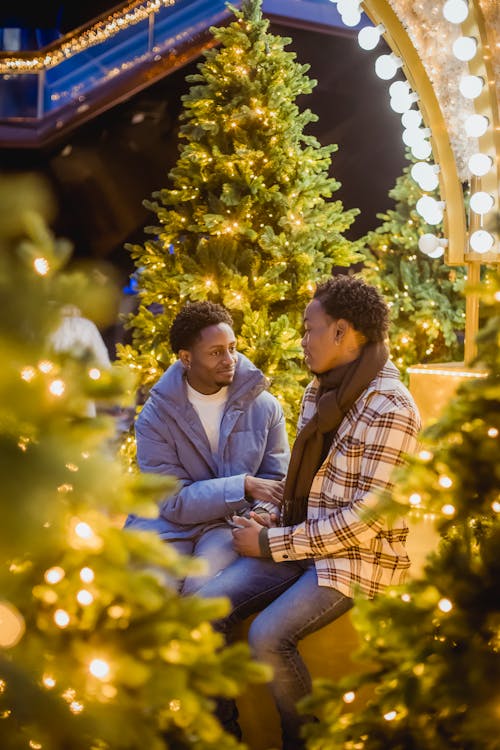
(425, 295)
(97, 649)
(434, 644)
(247, 219)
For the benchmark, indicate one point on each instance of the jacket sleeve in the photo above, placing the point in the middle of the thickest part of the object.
(388, 439)
(276, 457)
(192, 502)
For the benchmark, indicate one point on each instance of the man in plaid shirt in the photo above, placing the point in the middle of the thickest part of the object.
(357, 423)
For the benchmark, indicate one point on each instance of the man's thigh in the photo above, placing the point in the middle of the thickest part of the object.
(251, 584)
(216, 547)
(303, 608)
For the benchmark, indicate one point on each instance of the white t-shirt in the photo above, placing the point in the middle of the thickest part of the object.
(209, 408)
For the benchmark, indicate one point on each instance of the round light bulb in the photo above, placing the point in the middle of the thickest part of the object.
(476, 125)
(411, 118)
(386, 66)
(351, 17)
(455, 11)
(347, 6)
(437, 253)
(480, 164)
(427, 243)
(421, 150)
(399, 89)
(430, 209)
(471, 86)
(465, 48)
(425, 175)
(481, 202)
(481, 241)
(403, 104)
(369, 36)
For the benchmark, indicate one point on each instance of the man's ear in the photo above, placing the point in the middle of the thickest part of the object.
(185, 358)
(340, 330)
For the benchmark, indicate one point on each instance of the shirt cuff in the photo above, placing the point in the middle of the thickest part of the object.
(234, 494)
(265, 549)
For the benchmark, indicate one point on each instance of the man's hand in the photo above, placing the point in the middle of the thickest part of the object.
(269, 520)
(265, 490)
(246, 536)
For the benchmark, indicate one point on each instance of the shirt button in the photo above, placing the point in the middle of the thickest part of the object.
(285, 557)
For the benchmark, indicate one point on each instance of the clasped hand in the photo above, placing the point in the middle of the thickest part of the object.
(246, 532)
(265, 490)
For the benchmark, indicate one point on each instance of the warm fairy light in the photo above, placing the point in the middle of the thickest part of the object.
(28, 373)
(448, 509)
(84, 597)
(11, 625)
(445, 605)
(445, 482)
(425, 455)
(175, 705)
(41, 266)
(448, 373)
(415, 499)
(83, 530)
(406, 597)
(48, 681)
(101, 31)
(76, 707)
(94, 373)
(87, 575)
(54, 575)
(496, 506)
(57, 387)
(64, 488)
(45, 366)
(35, 745)
(109, 691)
(493, 432)
(349, 696)
(69, 694)
(99, 668)
(390, 715)
(61, 618)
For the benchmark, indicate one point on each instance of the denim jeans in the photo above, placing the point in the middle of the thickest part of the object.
(214, 546)
(291, 606)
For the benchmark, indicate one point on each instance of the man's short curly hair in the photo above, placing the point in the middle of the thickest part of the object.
(361, 304)
(192, 319)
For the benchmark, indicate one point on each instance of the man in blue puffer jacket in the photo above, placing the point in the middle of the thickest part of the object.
(211, 423)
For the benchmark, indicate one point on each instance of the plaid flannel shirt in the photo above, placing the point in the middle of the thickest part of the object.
(354, 550)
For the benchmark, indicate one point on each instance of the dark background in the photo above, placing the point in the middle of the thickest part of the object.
(103, 170)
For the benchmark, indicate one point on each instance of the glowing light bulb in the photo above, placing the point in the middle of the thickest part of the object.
(390, 715)
(57, 387)
(465, 48)
(430, 209)
(425, 175)
(61, 618)
(421, 149)
(99, 668)
(94, 373)
(455, 11)
(414, 136)
(476, 125)
(481, 202)
(492, 432)
(480, 164)
(386, 66)
(415, 499)
(481, 241)
(445, 482)
(448, 509)
(445, 605)
(369, 36)
(41, 266)
(12, 625)
(54, 575)
(87, 575)
(411, 118)
(349, 696)
(471, 86)
(84, 597)
(83, 530)
(431, 245)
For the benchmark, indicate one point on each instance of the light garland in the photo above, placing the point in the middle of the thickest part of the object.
(129, 15)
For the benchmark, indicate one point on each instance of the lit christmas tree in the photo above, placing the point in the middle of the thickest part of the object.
(425, 295)
(435, 644)
(247, 219)
(97, 649)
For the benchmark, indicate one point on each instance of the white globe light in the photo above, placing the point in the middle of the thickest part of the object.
(421, 150)
(455, 11)
(399, 89)
(476, 125)
(425, 175)
(481, 202)
(465, 48)
(411, 119)
(471, 86)
(403, 103)
(481, 241)
(437, 253)
(413, 136)
(386, 66)
(369, 36)
(480, 164)
(427, 243)
(430, 209)
(347, 6)
(351, 17)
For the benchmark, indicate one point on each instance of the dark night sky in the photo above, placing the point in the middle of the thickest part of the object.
(103, 171)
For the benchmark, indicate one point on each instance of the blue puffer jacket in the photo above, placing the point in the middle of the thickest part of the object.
(171, 441)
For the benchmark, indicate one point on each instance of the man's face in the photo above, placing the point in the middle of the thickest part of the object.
(320, 341)
(211, 361)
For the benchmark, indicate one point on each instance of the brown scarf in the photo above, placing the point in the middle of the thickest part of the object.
(339, 389)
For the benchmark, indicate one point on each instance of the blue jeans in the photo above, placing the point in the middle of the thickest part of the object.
(214, 546)
(291, 606)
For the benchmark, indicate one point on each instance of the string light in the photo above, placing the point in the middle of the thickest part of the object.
(41, 266)
(445, 605)
(99, 668)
